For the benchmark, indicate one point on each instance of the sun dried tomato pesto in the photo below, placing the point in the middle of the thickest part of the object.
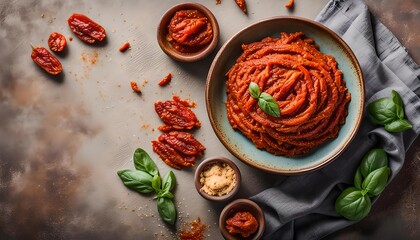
(189, 31)
(243, 223)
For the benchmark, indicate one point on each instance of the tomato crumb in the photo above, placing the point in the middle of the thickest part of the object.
(195, 231)
(124, 47)
(135, 87)
(289, 4)
(165, 80)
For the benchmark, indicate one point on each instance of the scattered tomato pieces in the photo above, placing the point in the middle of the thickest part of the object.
(194, 232)
(124, 47)
(86, 29)
(165, 80)
(178, 149)
(46, 60)
(176, 114)
(289, 4)
(135, 87)
(57, 42)
(242, 5)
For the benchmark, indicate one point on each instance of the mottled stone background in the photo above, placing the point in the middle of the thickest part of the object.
(62, 139)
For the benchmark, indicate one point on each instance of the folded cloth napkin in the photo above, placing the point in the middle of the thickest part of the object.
(302, 207)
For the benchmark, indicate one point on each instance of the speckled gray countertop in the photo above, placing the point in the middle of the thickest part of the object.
(63, 139)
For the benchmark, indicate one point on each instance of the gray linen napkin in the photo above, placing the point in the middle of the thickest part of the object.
(302, 207)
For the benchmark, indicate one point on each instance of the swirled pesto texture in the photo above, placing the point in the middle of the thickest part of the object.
(306, 84)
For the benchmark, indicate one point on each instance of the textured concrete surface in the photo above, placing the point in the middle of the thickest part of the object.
(62, 139)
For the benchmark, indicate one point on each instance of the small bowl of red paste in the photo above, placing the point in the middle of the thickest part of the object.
(188, 32)
(242, 219)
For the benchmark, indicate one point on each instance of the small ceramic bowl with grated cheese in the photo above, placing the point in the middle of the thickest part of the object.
(217, 179)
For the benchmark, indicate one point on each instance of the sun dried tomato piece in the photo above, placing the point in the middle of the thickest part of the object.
(183, 142)
(169, 155)
(242, 5)
(57, 42)
(243, 223)
(85, 28)
(46, 60)
(135, 87)
(289, 4)
(165, 80)
(124, 47)
(176, 115)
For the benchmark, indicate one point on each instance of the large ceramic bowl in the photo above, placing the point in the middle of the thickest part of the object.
(242, 147)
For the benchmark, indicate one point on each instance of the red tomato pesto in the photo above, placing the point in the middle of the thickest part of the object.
(243, 223)
(189, 31)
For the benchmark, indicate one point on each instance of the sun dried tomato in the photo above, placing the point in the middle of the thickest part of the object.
(135, 87)
(243, 223)
(46, 60)
(57, 42)
(176, 115)
(183, 142)
(289, 4)
(242, 5)
(124, 47)
(165, 80)
(86, 29)
(169, 155)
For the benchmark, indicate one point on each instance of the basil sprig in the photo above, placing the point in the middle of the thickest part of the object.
(353, 204)
(389, 112)
(370, 180)
(146, 179)
(265, 101)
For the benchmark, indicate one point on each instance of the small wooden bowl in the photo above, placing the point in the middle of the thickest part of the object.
(208, 162)
(242, 205)
(163, 30)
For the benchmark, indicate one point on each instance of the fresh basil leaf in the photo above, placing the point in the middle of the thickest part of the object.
(166, 209)
(136, 180)
(169, 181)
(372, 160)
(143, 162)
(352, 204)
(269, 105)
(165, 194)
(382, 111)
(358, 179)
(157, 183)
(396, 98)
(399, 125)
(376, 181)
(254, 90)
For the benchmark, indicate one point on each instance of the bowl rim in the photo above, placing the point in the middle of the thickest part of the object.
(226, 212)
(358, 120)
(162, 30)
(212, 160)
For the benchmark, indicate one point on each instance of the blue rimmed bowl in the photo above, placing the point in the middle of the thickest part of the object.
(242, 147)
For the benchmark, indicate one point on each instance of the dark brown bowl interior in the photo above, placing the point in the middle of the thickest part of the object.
(162, 32)
(242, 205)
(210, 161)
